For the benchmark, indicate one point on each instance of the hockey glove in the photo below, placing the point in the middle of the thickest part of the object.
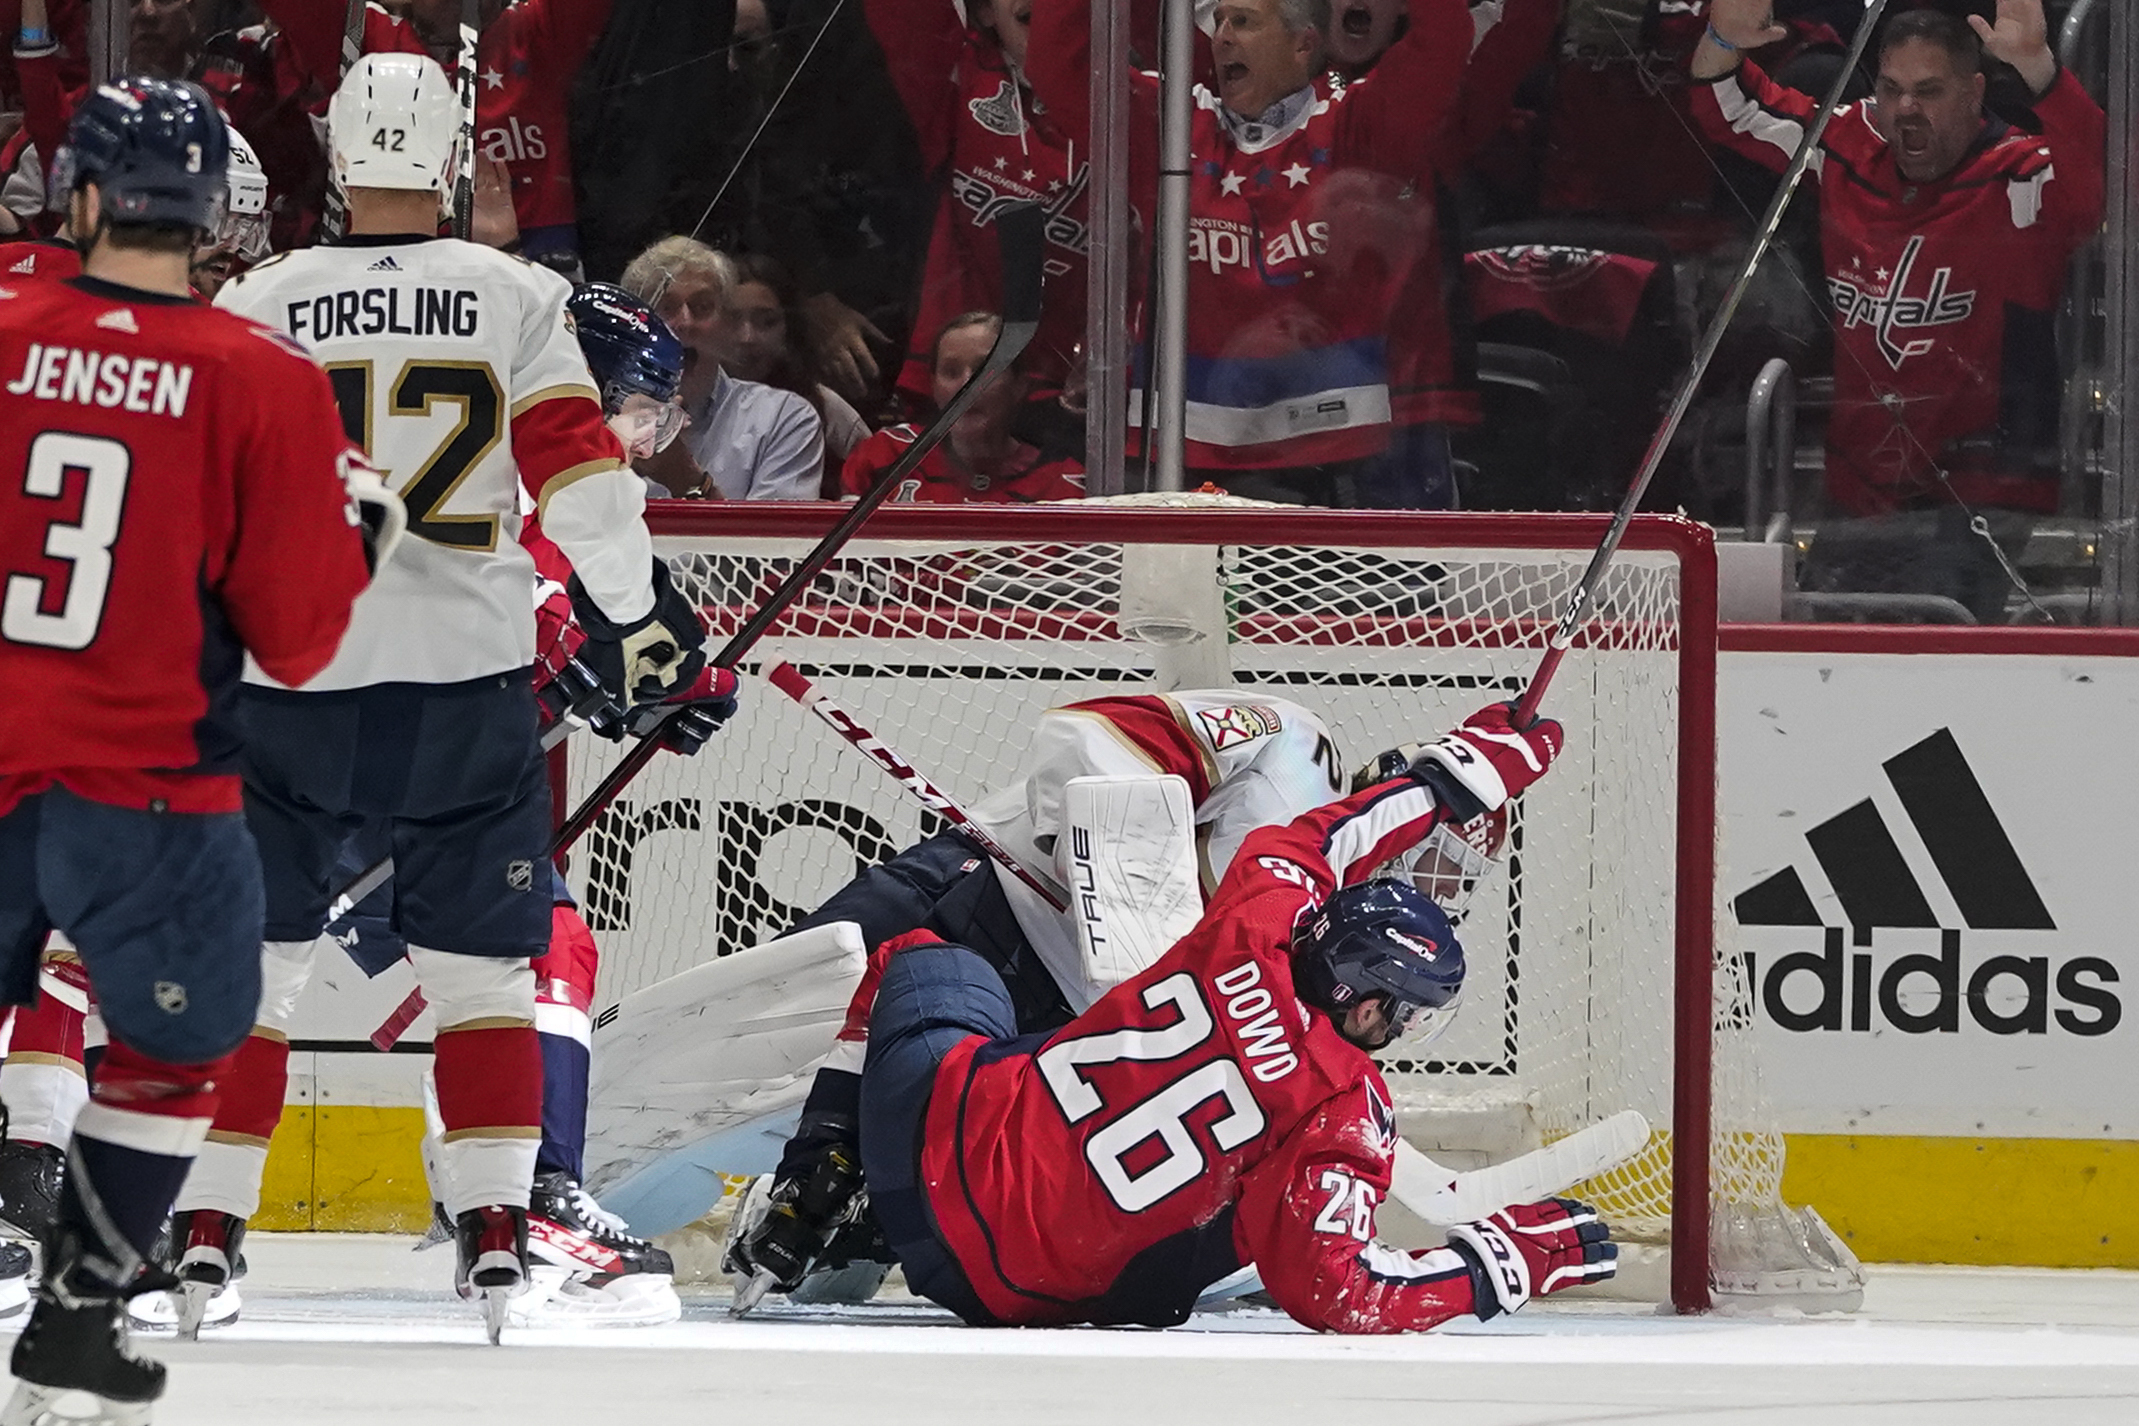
(645, 661)
(800, 1221)
(1488, 760)
(689, 719)
(1532, 1250)
(375, 510)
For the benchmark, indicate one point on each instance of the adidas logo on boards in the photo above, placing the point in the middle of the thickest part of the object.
(1990, 975)
(385, 264)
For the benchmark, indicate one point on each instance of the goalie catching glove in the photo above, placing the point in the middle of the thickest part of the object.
(1487, 761)
(1533, 1250)
(651, 658)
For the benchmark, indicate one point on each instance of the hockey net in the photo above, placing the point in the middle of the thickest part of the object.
(1600, 969)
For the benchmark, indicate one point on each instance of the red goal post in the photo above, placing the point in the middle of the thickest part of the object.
(946, 627)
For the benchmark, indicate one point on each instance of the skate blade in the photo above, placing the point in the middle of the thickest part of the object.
(751, 1293)
(34, 1405)
(193, 1308)
(497, 1306)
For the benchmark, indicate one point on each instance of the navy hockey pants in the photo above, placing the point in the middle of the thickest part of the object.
(931, 998)
(165, 908)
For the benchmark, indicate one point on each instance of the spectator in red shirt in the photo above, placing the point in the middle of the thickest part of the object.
(980, 459)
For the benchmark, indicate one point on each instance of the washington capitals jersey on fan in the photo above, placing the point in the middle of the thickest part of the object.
(1032, 477)
(1299, 238)
(170, 499)
(1249, 763)
(457, 373)
(974, 117)
(1195, 1118)
(1944, 293)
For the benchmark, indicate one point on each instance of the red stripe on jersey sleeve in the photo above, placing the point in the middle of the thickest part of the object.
(1154, 726)
(560, 438)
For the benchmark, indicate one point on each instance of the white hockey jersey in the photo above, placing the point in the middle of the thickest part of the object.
(455, 368)
(1249, 762)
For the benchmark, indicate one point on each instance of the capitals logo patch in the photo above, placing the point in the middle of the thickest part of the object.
(1381, 1118)
(1243, 723)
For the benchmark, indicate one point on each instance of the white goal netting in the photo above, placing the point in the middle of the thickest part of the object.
(948, 647)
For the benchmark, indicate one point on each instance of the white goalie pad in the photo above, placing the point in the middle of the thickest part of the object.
(1128, 856)
(705, 1073)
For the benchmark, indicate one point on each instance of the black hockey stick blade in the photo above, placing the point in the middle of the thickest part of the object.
(1021, 231)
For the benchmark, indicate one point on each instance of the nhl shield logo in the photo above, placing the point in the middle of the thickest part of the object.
(170, 997)
(520, 875)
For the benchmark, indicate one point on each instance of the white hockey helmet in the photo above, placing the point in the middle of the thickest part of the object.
(244, 227)
(394, 123)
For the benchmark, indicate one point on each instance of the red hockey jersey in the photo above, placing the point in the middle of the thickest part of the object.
(1197, 1117)
(526, 61)
(41, 257)
(1299, 238)
(936, 481)
(977, 122)
(1944, 293)
(174, 501)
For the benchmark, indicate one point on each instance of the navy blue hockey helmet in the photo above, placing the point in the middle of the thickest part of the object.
(629, 349)
(1381, 938)
(156, 149)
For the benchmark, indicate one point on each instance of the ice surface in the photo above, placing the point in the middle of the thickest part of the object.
(359, 1329)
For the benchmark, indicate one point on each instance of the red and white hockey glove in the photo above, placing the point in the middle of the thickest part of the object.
(704, 706)
(1532, 1250)
(1488, 760)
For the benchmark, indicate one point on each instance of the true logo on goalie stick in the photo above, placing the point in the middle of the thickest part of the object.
(1901, 969)
(1242, 723)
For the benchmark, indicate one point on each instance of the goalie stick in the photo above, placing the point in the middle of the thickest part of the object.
(1579, 603)
(1019, 230)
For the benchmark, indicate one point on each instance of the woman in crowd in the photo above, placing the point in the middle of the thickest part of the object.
(765, 344)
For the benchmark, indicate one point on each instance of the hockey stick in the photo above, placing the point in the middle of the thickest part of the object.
(334, 219)
(1579, 604)
(464, 77)
(790, 681)
(1019, 230)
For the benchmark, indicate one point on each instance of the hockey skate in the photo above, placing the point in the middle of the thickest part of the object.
(492, 1267)
(586, 1269)
(204, 1250)
(30, 1177)
(16, 1264)
(74, 1350)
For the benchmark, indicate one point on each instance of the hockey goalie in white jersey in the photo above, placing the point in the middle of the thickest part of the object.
(455, 367)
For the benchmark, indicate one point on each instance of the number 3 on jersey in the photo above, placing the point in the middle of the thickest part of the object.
(416, 391)
(83, 544)
(1162, 1115)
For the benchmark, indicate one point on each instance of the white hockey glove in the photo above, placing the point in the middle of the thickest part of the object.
(375, 510)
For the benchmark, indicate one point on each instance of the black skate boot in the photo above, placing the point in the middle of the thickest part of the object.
(492, 1244)
(30, 1176)
(76, 1344)
(588, 1266)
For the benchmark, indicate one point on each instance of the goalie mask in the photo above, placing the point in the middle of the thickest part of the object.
(394, 123)
(1456, 856)
(1382, 938)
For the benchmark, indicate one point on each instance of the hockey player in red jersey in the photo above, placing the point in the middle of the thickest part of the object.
(1945, 237)
(1218, 1109)
(184, 500)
